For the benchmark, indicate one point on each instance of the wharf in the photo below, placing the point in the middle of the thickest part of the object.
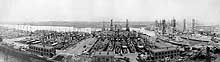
(79, 47)
(16, 44)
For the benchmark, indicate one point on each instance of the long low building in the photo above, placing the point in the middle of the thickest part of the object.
(42, 50)
(103, 56)
(160, 54)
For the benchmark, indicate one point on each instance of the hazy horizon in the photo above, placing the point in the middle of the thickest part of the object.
(27, 11)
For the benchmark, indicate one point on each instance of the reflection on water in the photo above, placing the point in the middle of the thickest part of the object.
(1, 57)
(4, 57)
(8, 58)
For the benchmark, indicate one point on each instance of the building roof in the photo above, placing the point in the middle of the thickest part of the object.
(163, 50)
(41, 46)
(104, 53)
(163, 45)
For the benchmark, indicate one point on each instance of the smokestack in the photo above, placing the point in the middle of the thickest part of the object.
(127, 28)
(163, 26)
(184, 25)
(193, 25)
(111, 25)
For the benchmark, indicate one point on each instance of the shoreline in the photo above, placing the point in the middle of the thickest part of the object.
(21, 54)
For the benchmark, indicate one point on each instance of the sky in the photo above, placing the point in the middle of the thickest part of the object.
(17, 11)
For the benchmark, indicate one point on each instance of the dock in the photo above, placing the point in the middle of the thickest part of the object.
(79, 47)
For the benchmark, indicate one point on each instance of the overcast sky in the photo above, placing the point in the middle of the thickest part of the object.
(204, 11)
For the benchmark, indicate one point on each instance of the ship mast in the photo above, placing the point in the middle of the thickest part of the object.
(127, 28)
(103, 26)
(174, 25)
(184, 25)
(156, 25)
(111, 25)
(193, 26)
(163, 27)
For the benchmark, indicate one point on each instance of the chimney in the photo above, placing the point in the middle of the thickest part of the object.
(127, 28)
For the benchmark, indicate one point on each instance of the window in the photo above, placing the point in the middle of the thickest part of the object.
(98, 59)
(107, 59)
(103, 59)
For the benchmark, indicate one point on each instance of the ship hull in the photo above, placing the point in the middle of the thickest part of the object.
(194, 39)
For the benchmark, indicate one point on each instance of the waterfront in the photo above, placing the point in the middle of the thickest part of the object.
(4, 57)
(84, 46)
(11, 56)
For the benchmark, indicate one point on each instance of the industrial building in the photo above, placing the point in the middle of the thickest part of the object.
(162, 53)
(103, 56)
(42, 50)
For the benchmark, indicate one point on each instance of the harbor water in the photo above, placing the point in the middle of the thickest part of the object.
(4, 57)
